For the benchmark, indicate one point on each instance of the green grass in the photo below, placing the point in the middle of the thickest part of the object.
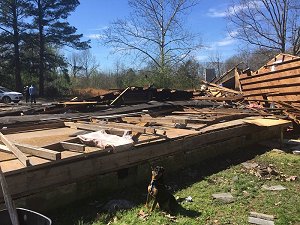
(224, 174)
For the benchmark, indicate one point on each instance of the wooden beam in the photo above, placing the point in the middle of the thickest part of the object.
(39, 152)
(8, 200)
(285, 72)
(152, 119)
(221, 88)
(73, 146)
(233, 98)
(20, 155)
(132, 127)
(119, 96)
(77, 103)
(272, 83)
(33, 127)
(4, 148)
(93, 127)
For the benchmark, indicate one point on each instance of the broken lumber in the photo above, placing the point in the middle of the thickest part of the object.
(39, 152)
(8, 200)
(73, 146)
(91, 127)
(155, 120)
(222, 88)
(119, 96)
(20, 155)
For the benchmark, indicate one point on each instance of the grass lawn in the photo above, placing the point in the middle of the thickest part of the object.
(225, 174)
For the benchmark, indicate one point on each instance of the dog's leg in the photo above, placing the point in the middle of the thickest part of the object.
(154, 204)
(148, 199)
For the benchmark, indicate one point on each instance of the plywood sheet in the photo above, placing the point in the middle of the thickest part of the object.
(266, 122)
(43, 137)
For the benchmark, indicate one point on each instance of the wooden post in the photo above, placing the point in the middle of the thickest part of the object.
(281, 137)
(8, 200)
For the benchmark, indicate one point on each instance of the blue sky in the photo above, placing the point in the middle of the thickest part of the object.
(207, 19)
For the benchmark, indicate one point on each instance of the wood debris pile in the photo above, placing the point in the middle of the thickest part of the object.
(274, 88)
(267, 172)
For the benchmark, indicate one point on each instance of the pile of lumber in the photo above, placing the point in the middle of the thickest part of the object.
(214, 92)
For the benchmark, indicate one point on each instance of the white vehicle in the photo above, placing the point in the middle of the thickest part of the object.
(8, 96)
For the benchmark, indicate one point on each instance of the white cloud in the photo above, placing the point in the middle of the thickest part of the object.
(100, 29)
(216, 13)
(213, 12)
(201, 58)
(95, 36)
(233, 33)
(228, 40)
(225, 42)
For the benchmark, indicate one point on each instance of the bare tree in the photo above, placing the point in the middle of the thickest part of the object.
(272, 24)
(83, 64)
(154, 32)
(216, 62)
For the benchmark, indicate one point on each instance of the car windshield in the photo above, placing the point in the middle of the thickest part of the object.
(5, 89)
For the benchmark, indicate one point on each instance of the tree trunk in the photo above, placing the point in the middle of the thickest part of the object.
(41, 51)
(17, 63)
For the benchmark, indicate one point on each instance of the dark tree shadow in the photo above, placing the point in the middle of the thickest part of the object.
(180, 210)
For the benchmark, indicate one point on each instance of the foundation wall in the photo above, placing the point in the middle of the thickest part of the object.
(138, 173)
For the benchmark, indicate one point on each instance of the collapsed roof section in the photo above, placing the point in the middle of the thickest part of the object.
(278, 80)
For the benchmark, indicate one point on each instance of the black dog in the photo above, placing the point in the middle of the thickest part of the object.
(158, 191)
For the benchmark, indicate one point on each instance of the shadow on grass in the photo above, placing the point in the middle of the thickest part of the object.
(186, 212)
(196, 173)
(86, 211)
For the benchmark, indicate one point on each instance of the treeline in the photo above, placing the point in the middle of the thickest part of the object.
(31, 34)
(85, 72)
(185, 76)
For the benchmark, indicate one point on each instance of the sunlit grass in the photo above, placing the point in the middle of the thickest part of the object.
(245, 187)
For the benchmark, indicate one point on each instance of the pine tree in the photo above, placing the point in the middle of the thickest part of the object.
(52, 29)
(12, 25)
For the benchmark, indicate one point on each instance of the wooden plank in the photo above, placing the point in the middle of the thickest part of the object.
(4, 148)
(153, 120)
(273, 83)
(267, 122)
(277, 91)
(39, 152)
(221, 88)
(119, 96)
(233, 98)
(20, 155)
(237, 83)
(8, 200)
(292, 98)
(77, 103)
(93, 127)
(291, 141)
(32, 127)
(274, 77)
(283, 69)
(73, 146)
(132, 127)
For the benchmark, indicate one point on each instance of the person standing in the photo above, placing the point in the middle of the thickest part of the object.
(26, 93)
(32, 92)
